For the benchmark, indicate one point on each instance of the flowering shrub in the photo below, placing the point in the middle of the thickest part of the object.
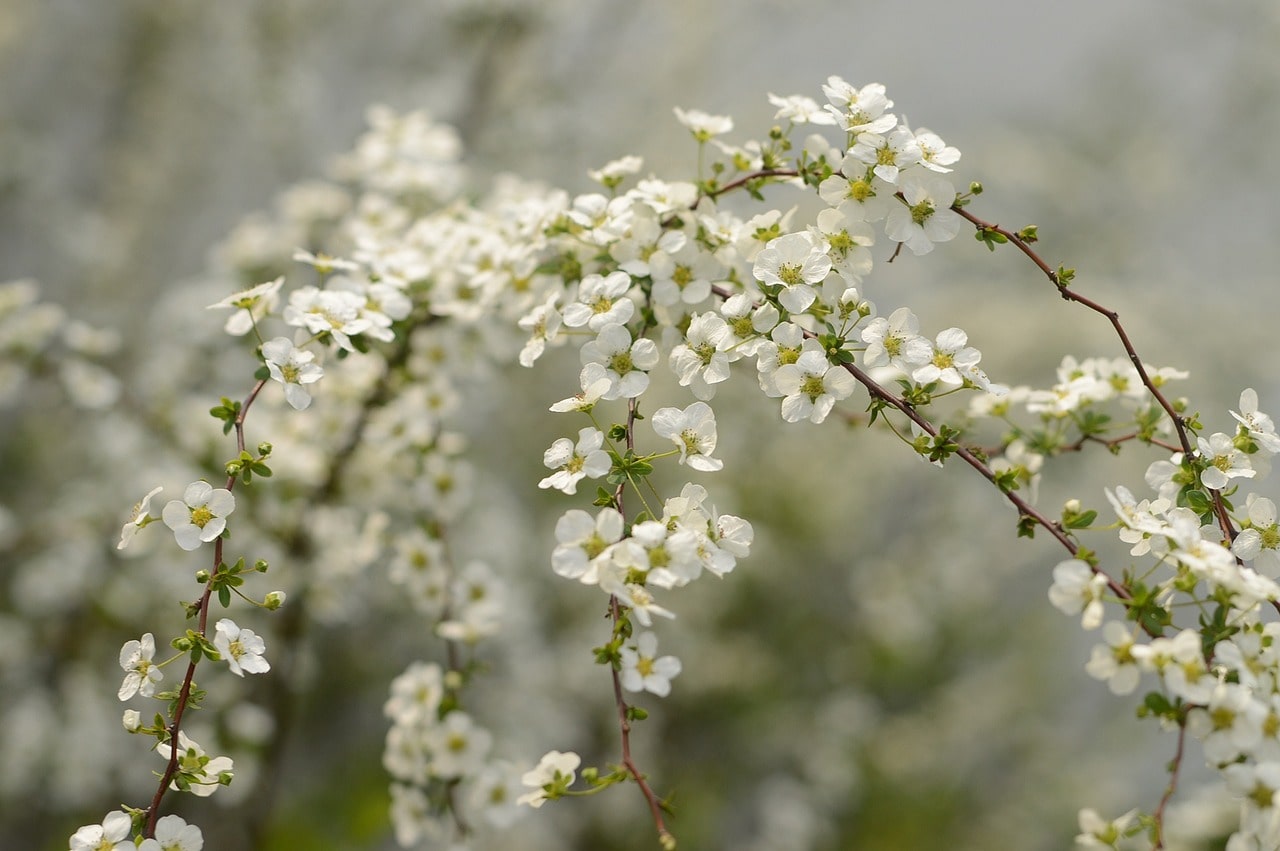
(367, 355)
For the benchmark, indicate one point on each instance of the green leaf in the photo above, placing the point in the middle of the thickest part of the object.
(1083, 520)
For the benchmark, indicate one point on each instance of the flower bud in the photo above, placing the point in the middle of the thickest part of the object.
(274, 600)
(132, 720)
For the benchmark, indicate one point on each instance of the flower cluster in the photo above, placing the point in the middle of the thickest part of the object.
(662, 287)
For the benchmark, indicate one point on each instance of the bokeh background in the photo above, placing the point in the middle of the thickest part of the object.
(885, 671)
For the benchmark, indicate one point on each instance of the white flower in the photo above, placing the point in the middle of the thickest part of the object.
(595, 382)
(333, 312)
(141, 517)
(200, 516)
(663, 197)
(1097, 832)
(411, 814)
(811, 387)
(543, 324)
(552, 776)
(1180, 662)
(415, 694)
(141, 675)
(747, 323)
(1260, 543)
(646, 240)
(1225, 461)
(1260, 426)
(702, 360)
(800, 109)
(293, 368)
(952, 360)
(937, 154)
(242, 648)
(573, 463)
(887, 155)
(583, 542)
(626, 363)
(603, 220)
(1141, 520)
(854, 193)
(458, 746)
(785, 345)
(323, 263)
(613, 172)
(693, 430)
(643, 670)
(601, 301)
(493, 793)
(638, 598)
(1230, 725)
(249, 305)
(476, 605)
(112, 835)
(859, 110)
(729, 537)
(668, 558)
(927, 216)
(794, 262)
(1114, 662)
(1076, 588)
(848, 240)
(895, 342)
(683, 276)
(174, 834)
(197, 772)
(702, 125)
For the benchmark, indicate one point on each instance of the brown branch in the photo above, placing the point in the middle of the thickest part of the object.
(624, 725)
(747, 178)
(184, 693)
(1179, 422)
(1174, 765)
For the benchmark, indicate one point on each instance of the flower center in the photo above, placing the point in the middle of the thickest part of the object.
(812, 386)
(690, 440)
(621, 363)
(791, 274)
(921, 212)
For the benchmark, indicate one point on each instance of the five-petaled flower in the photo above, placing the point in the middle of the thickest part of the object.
(292, 367)
(241, 648)
(693, 431)
(644, 670)
(201, 514)
(141, 674)
(141, 517)
(551, 778)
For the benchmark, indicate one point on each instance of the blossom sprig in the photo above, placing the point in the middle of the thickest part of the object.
(662, 272)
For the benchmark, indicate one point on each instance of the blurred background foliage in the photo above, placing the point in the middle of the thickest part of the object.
(884, 671)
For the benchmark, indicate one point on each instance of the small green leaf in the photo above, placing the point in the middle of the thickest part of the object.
(1082, 521)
